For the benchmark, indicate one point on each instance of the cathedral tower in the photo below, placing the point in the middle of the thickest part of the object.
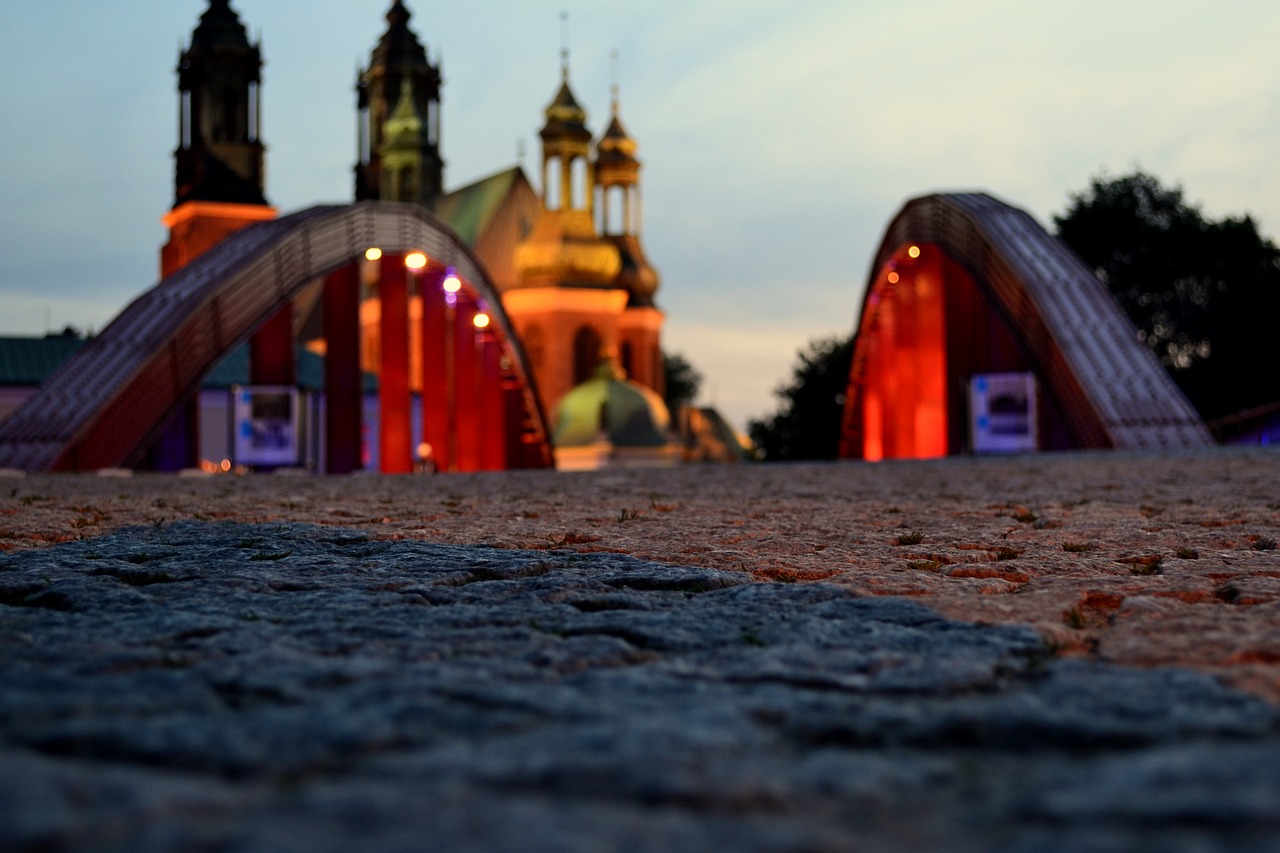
(387, 109)
(566, 305)
(219, 175)
(618, 186)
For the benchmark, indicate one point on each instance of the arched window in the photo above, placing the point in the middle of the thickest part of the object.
(551, 189)
(535, 348)
(580, 185)
(616, 213)
(628, 360)
(586, 354)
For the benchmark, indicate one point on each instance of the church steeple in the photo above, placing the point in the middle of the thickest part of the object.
(564, 249)
(397, 58)
(618, 184)
(566, 149)
(220, 154)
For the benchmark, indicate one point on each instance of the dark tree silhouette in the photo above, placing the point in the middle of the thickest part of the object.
(682, 381)
(1204, 295)
(807, 422)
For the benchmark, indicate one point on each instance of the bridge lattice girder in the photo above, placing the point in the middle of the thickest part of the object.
(110, 401)
(1113, 391)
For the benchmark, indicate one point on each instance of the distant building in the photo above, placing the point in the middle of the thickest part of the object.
(568, 260)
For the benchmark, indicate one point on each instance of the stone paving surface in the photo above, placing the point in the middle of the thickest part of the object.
(221, 686)
(913, 656)
(1131, 558)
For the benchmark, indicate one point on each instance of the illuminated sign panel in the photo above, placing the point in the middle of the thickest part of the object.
(266, 425)
(1002, 408)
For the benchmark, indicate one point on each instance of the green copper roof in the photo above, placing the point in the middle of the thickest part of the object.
(470, 209)
(628, 414)
(28, 362)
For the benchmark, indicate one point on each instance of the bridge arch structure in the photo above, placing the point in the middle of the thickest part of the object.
(115, 399)
(965, 288)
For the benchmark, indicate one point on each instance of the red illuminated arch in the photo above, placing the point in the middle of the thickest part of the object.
(106, 405)
(964, 284)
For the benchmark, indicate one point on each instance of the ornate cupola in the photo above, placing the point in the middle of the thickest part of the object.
(618, 183)
(566, 150)
(220, 154)
(380, 88)
(564, 248)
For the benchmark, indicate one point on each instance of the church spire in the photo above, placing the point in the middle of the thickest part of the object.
(398, 56)
(617, 173)
(566, 147)
(219, 156)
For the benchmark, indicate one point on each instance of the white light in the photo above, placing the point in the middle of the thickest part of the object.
(372, 254)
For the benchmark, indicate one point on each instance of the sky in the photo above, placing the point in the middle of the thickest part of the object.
(778, 139)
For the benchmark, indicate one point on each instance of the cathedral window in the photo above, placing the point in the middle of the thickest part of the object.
(579, 184)
(586, 354)
(551, 179)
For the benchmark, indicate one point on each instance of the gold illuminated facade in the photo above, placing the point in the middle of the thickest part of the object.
(585, 294)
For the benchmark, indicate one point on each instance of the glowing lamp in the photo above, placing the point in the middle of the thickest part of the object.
(481, 320)
(451, 283)
(893, 278)
(372, 254)
(415, 261)
(913, 252)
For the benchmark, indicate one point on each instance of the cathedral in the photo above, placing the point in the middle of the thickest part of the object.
(567, 260)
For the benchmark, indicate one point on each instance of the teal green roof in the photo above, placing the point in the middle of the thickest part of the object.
(470, 209)
(30, 361)
(628, 414)
(234, 370)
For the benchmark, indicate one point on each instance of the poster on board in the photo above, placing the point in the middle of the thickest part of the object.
(266, 425)
(1003, 412)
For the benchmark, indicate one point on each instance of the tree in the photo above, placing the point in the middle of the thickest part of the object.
(1204, 295)
(807, 422)
(682, 381)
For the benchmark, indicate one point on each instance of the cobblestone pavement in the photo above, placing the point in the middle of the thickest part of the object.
(220, 686)
(1131, 558)
(755, 658)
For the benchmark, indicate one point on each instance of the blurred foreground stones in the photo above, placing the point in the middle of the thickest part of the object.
(222, 686)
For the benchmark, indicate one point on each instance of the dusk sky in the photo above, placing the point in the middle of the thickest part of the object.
(778, 139)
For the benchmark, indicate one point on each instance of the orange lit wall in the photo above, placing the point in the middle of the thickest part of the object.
(902, 389)
(195, 227)
(558, 313)
(639, 332)
(927, 328)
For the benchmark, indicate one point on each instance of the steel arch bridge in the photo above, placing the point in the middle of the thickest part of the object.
(964, 286)
(107, 405)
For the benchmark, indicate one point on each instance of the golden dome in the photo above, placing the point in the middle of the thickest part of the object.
(564, 249)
